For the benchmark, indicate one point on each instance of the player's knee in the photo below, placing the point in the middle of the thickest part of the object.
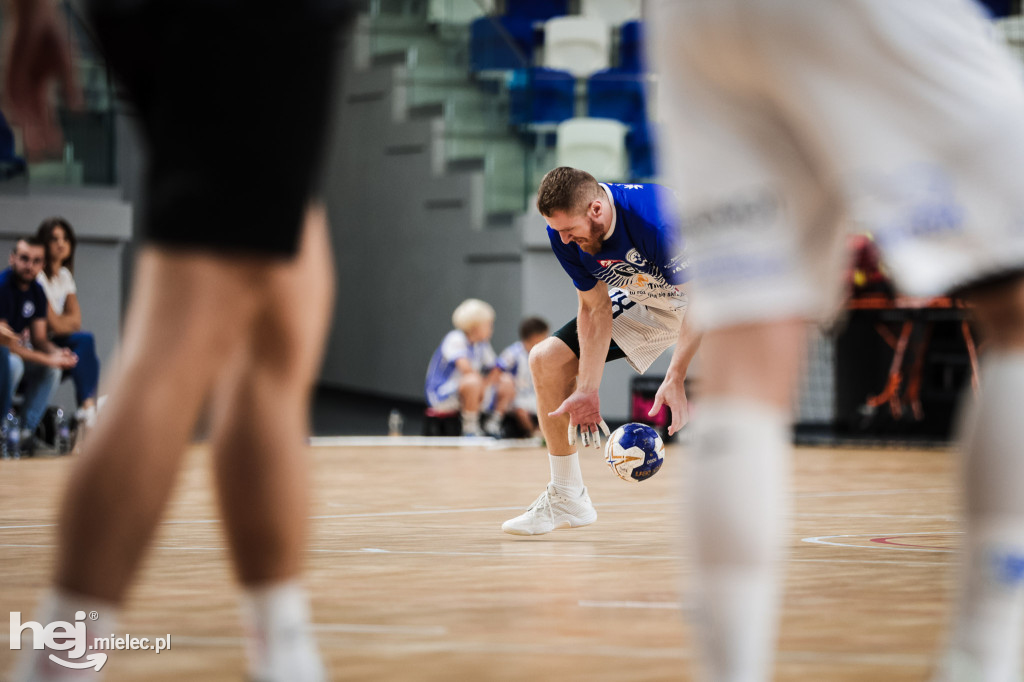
(551, 357)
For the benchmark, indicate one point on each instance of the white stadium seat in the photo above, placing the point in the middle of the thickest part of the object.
(614, 12)
(596, 145)
(579, 45)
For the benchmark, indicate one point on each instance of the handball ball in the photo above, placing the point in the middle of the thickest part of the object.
(634, 452)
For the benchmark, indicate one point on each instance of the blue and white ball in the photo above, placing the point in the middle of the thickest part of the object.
(634, 452)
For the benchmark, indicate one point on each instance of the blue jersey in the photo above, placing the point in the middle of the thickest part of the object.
(643, 255)
(443, 375)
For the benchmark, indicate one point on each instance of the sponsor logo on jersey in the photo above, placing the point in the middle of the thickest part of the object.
(28, 309)
(607, 263)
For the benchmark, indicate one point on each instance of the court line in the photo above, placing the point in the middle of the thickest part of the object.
(586, 603)
(509, 555)
(824, 540)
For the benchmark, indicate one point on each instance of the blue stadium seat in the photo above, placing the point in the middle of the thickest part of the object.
(640, 147)
(617, 94)
(539, 95)
(536, 10)
(10, 163)
(490, 47)
(631, 47)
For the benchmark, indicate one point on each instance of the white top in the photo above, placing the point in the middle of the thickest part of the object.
(58, 288)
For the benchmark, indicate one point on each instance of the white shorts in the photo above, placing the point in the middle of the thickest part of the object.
(789, 120)
(640, 332)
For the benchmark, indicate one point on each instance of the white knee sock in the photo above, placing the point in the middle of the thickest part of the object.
(281, 646)
(738, 499)
(987, 626)
(566, 474)
(34, 665)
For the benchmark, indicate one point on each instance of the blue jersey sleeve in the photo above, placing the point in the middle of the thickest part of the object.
(569, 256)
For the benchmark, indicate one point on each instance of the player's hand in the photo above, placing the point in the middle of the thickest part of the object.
(584, 410)
(64, 359)
(38, 55)
(8, 337)
(671, 393)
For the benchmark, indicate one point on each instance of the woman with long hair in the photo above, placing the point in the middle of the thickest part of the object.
(64, 317)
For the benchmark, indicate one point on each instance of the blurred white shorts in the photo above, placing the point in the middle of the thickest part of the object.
(788, 122)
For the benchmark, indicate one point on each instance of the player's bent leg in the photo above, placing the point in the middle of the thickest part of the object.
(738, 493)
(261, 413)
(565, 502)
(987, 628)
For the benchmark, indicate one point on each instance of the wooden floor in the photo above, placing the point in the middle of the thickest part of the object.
(412, 578)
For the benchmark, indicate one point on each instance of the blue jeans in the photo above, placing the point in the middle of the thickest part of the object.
(40, 383)
(86, 374)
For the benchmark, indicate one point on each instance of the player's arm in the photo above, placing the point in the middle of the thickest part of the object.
(67, 323)
(465, 366)
(672, 392)
(46, 352)
(594, 327)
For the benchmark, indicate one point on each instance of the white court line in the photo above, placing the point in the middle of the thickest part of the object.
(855, 493)
(423, 442)
(510, 555)
(630, 604)
(824, 540)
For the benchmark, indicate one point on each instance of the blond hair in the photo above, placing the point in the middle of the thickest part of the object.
(470, 313)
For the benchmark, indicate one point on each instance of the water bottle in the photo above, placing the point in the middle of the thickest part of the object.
(62, 432)
(395, 423)
(12, 437)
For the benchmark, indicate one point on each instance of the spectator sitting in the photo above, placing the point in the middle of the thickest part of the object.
(36, 360)
(514, 363)
(455, 376)
(64, 316)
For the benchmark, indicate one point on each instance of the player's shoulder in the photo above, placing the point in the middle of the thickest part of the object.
(6, 277)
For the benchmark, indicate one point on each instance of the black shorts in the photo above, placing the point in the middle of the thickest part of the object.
(570, 335)
(233, 99)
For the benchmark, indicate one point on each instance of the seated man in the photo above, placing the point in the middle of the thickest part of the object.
(514, 363)
(456, 374)
(36, 360)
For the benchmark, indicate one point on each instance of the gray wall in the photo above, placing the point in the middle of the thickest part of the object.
(409, 242)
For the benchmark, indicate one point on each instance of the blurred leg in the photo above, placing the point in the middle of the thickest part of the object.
(738, 493)
(987, 626)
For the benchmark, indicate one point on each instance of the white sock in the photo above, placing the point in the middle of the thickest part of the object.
(987, 627)
(280, 645)
(34, 665)
(470, 423)
(566, 474)
(739, 512)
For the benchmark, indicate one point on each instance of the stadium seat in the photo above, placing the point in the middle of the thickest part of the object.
(596, 145)
(457, 11)
(579, 45)
(612, 12)
(500, 43)
(540, 95)
(10, 163)
(631, 47)
(640, 148)
(618, 94)
(536, 10)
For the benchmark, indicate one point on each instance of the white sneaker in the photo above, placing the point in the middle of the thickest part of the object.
(552, 511)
